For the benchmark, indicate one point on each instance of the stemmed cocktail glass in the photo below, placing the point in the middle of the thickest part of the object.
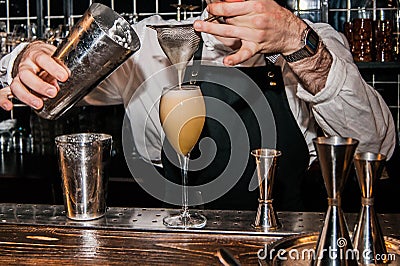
(182, 115)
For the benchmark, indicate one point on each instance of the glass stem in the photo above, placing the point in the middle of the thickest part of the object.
(184, 161)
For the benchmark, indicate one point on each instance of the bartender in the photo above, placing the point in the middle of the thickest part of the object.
(311, 82)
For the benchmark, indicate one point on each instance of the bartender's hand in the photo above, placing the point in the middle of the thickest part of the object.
(5, 96)
(263, 26)
(35, 75)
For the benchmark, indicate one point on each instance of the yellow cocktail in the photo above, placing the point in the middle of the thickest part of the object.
(182, 115)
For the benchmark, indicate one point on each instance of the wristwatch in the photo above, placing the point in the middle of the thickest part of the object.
(311, 41)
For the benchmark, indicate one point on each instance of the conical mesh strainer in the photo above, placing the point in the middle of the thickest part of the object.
(179, 42)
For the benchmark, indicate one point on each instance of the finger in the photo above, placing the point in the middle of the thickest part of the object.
(233, 43)
(253, 21)
(221, 30)
(52, 67)
(42, 60)
(23, 94)
(5, 95)
(246, 51)
(234, 8)
(215, 1)
(39, 57)
(35, 83)
(46, 77)
(230, 31)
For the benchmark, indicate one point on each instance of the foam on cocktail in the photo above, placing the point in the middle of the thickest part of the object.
(182, 114)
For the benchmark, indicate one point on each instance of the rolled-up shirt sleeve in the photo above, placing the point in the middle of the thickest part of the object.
(347, 105)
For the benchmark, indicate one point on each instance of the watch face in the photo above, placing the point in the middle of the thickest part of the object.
(312, 41)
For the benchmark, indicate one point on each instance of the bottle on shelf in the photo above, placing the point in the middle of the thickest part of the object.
(373, 31)
(396, 33)
(385, 15)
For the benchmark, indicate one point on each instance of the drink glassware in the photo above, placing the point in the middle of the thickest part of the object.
(182, 115)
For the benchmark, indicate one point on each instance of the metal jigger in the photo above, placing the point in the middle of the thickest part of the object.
(335, 156)
(368, 237)
(266, 160)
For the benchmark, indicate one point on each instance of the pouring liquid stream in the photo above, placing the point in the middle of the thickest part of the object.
(180, 76)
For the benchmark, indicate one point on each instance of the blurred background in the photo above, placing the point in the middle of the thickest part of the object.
(28, 165)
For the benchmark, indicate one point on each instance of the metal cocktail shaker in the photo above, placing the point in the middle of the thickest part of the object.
(84, 159)
(100, 42)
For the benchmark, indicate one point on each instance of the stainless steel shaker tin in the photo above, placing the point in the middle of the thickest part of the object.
(100, 42)
(84, 161)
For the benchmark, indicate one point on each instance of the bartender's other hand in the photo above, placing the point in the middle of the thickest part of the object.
(263, 26)
(37, 75)
(233, 43)
(5, 96)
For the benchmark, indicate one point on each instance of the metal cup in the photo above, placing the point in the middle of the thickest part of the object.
(368, 237)
(100, 42)
(83, 160)
(335, 156)
(266, 160)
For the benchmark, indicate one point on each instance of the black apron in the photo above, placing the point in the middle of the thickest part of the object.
(290, 141)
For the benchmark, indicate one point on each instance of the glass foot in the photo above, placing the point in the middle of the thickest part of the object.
(193, 220)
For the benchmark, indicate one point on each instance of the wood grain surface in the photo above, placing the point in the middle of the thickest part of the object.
(42, 245)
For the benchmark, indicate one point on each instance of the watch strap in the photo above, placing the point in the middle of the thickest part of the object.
(311, 43)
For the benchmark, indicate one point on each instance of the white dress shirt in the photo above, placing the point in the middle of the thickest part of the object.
(346, 106)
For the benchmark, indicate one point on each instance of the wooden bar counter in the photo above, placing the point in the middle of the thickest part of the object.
(42, 235)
